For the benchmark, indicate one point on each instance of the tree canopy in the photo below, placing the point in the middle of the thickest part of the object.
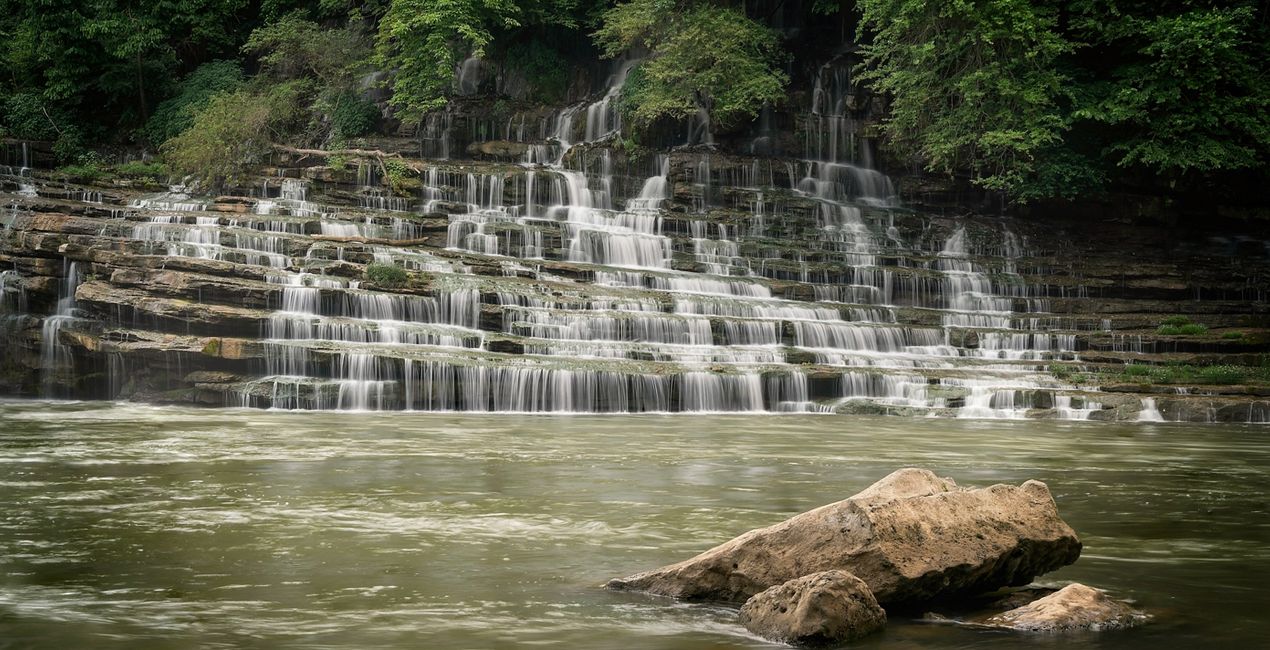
(701, 57)
(1044, 98)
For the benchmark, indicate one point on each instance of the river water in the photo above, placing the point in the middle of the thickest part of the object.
(128, 526)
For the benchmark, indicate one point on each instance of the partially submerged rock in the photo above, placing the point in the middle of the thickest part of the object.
(1075, 607)
(823, 608)
(910, 537)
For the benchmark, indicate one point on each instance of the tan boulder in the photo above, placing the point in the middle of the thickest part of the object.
(1075, 607)
(911, 537)
(823, 608)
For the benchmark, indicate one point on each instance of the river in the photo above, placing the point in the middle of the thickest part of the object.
(128, 526)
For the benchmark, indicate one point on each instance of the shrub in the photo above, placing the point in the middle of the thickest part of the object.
(24, 117)
(1176, 320)
(175, 114)
(1138, 370)
(1221, 374)
(400, 177)
(353, 115)
(388, 275)
(152, 171)
(87, 168)
(1233, 336)
(228, 135)
(1189, 329)
(546, 73)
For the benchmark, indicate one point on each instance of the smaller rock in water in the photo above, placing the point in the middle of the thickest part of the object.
(823, 608)
(1073, 608)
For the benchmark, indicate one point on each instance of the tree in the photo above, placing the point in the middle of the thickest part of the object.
(176, 113)
(231, 133)
(421, 42)
(974, 84)
(702, 57)
(1187, 89)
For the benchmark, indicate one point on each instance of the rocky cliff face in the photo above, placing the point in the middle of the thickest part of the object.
(546, 265)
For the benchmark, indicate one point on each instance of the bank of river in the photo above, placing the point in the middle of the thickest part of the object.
(132, 526)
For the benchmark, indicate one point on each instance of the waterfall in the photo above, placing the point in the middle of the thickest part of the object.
(588, 280)
(55, 356)
(1149, 412)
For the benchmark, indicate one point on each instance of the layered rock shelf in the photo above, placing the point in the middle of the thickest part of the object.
(550, 277)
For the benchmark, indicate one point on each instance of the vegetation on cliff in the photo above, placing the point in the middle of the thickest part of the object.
(1036, 98)
(1043, 98)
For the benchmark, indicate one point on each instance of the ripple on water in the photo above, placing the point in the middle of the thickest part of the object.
(171, 527)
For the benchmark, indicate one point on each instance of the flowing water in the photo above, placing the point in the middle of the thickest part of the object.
(129, 526)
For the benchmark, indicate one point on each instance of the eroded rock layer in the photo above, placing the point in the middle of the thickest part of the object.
(582, 278)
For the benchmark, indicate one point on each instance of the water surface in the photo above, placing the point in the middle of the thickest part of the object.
(129, 526)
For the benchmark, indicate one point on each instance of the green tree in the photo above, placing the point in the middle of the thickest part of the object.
(98, 67)
(421, 41)
(176, 113)
(974, 84)
(701, 57)
(233, 132)
(1187, 89)
(295, 47)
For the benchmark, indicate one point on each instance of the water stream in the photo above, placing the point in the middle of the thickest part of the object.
(129, 526)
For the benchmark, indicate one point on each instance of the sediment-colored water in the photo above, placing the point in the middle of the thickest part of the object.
(129, 526)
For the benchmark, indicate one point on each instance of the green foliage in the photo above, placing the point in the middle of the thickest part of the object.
(545, 71)
(1222, 374)
(702, 57)
(153, 172)
(85, 169)
(1191, 329)
(975, 86)
(1007, 93)
(1140, 373)
(337, 161)
(353, 116)
(1061, 372)
(99, 66)
(1187, 89)
(401, 178)
(421, 41)
(1180, 325)
(1232, 336)
(387, 275)
(233, 132)
(24, 117)
(295, 48)
(176, 113)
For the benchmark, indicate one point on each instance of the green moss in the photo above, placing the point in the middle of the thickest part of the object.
(213, 348)
(1232, 336)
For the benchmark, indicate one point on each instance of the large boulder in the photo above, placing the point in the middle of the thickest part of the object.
(911, 537)
(1073, 608)
(823, 608)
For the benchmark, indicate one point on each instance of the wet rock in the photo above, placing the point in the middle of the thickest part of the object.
(823, 608)
(911, 537)
(498, 149)
(1075, 607)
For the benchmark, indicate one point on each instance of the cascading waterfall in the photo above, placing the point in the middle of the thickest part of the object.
(55, 357)
(785, 285)
(1149, 412)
